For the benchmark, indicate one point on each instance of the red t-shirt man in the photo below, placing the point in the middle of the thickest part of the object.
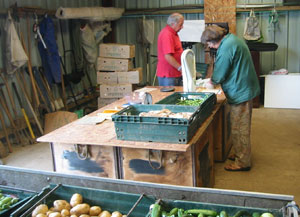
(169, 51)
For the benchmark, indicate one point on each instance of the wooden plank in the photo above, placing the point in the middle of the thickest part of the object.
(100, 160)
(58, 119)
(176, 167)
(221, 11)
(204, 159)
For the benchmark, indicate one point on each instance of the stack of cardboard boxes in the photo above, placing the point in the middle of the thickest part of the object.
(115, 72)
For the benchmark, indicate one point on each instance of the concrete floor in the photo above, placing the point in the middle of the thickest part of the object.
(275, 156)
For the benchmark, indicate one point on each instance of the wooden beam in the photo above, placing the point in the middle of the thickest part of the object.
(188, 9)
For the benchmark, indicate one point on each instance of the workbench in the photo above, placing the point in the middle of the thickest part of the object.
(188, 164)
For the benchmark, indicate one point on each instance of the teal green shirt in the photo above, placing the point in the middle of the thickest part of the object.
(235, 71)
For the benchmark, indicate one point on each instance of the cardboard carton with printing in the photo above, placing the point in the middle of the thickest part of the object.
(111, 64)
(112, 50)
(115, 90)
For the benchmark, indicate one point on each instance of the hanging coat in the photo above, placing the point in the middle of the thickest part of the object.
(49, 55)
(15, 56)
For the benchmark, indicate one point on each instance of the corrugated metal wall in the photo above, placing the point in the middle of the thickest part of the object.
(22, 25)
(285, 34)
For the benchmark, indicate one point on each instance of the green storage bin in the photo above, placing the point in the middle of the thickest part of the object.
(107, 200)
(173, 99)
(21, 194)
(130, 126)
(124, 202)
(167, 205)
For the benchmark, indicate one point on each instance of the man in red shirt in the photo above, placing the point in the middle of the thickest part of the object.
(169, 51)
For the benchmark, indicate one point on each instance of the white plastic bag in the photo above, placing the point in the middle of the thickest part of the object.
(252, 31)
(15, 56)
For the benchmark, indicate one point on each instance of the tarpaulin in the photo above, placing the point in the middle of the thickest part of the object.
(91, 34)
(91, 13)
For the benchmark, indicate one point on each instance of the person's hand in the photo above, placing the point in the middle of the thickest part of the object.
(208, 84)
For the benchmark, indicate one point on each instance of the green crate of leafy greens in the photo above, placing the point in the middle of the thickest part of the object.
(197, 99)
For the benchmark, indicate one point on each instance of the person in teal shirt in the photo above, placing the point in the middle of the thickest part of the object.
(234, 70)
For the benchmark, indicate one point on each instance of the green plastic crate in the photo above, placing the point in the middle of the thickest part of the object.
(130, 126)
(167, 205)
(208, 98)
(123, 202)
(21, 194)
(107, 200)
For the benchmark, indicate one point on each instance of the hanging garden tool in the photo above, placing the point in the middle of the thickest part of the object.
(23, 111)
(8, 114)
(5, 132)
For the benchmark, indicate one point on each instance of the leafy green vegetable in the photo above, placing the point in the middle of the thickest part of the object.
(190, 102)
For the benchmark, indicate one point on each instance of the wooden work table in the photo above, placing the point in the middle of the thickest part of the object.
(104, 133)
(118, 156)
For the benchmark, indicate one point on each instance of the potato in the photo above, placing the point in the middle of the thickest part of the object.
(95, 210)
(80, 209)
(84, 215)
(124, 215)
(76, 199)
(116, 214)
(73, 216)
(42, 208)
(65, 212)
(49, 212)
(55, 214)
(41, 215)
(105, 214)
(59, 205)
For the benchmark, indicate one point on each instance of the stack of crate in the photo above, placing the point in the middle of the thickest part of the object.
(115, 72)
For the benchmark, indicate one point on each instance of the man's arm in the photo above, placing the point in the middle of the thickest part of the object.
(172, 61)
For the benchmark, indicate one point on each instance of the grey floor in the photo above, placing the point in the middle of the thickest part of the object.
(275, 156)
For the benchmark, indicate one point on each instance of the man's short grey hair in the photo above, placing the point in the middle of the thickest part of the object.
(174, 19)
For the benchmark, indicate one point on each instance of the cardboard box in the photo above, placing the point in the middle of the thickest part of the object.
(107, 78)
(133, 76)
(115, 90)
(105, 101)
(117, 50)
(113, 65)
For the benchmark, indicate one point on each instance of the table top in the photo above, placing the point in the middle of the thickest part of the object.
(104, 133)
